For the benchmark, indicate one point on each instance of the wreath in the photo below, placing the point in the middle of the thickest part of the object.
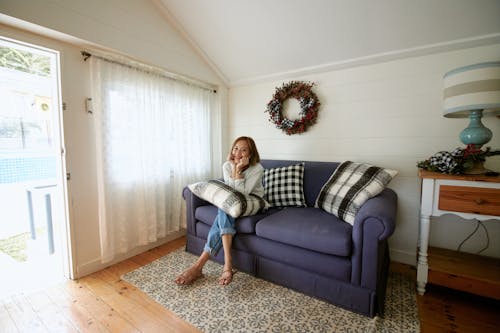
(309, 105)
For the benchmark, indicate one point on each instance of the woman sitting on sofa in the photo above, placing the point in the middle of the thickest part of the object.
(243, 172)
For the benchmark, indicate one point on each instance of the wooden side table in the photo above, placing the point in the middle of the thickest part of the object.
(470, 197)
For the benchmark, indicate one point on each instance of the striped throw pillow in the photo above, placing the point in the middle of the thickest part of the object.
(228, 199)
(350, 186)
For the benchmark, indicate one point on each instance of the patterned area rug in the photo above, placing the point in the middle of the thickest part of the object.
(250, 304)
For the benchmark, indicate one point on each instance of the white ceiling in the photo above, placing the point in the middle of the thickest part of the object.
(250, 40)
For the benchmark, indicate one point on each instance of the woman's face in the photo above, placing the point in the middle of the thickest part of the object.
(240, 149)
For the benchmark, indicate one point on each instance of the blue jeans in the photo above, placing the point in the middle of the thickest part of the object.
(223, 225)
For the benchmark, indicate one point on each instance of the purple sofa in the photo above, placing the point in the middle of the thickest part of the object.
(308, 249)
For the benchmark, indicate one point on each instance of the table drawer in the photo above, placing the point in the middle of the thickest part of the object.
(475, 200)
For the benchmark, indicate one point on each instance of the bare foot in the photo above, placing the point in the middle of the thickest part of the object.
(189, 276)
(226, 277)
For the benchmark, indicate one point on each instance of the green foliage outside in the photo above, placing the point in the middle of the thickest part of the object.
(24, 61)
(21, 128)
(16, 246)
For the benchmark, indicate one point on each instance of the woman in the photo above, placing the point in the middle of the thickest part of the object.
(243, 172)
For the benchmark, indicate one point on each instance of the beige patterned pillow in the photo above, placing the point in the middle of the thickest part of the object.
(228, 199)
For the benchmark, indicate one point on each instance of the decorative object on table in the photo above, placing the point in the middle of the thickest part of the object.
(467, 160)
(309, 105)
(473, 91)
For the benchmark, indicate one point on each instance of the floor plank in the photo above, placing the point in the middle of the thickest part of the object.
(71, 308)
(110, 280)
(456, 311)
(98, 308)
(446, 310)
(135, 312)
(6, 322)
(25, 319)
(49, 313)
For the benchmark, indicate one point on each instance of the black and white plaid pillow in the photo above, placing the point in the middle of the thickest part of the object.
(350, 186)
(283, 186)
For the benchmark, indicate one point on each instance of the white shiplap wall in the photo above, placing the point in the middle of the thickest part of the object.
(387, 114)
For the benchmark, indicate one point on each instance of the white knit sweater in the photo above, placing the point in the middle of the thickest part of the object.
(252, 181)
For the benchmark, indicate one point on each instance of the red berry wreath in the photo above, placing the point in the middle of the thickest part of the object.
(309, 105)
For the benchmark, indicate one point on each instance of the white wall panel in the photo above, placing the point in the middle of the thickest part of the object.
(388, 114)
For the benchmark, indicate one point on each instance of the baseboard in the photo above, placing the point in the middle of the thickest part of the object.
(404, 257)
(96, 264)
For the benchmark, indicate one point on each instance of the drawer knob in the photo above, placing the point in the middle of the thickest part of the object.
(479, 201)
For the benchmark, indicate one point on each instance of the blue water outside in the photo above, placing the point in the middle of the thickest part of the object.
(20, 169)
(17, 175)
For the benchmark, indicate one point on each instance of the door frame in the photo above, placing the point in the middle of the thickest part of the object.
(66, 235)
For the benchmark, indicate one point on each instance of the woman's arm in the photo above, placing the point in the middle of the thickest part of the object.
(251, 182)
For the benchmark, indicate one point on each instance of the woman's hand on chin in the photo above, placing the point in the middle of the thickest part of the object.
(230, 159)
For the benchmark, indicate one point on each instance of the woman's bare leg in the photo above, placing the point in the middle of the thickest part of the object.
(227, 271)
(194, 272)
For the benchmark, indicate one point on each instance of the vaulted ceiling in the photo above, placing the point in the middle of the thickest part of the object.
(250, 40)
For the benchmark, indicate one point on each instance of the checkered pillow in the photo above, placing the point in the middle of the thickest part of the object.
(283, 186)
(350, 186)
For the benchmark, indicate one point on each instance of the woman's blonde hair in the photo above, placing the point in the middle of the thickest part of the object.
(254, 153)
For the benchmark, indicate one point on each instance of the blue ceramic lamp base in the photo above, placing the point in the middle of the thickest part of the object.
(478, 135)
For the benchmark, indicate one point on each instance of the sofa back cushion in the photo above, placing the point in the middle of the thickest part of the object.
(316, 175)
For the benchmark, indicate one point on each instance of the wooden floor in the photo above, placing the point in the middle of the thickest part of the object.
(102, 302)
(443, 310)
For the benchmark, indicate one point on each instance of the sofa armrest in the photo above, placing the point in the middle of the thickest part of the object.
(192, 202)
(373, 225)
(382, 207)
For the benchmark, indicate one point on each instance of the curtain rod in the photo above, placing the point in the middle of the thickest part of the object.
(151, 69)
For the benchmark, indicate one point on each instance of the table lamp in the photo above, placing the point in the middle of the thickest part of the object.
(473, 91)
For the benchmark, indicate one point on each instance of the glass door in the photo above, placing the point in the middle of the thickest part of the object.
(33, 224)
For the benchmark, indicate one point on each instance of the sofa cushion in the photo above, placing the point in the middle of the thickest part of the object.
(350, 186)
(283, 186)
(228, 199)
(244, 224)
(309, 228)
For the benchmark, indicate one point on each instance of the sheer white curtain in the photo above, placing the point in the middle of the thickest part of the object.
(153, 138)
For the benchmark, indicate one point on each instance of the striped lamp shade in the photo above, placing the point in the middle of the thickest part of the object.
(474, 87)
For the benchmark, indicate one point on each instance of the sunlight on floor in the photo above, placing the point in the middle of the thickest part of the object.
(39, 271)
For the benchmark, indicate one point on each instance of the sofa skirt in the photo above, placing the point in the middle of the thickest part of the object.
(339, 293)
